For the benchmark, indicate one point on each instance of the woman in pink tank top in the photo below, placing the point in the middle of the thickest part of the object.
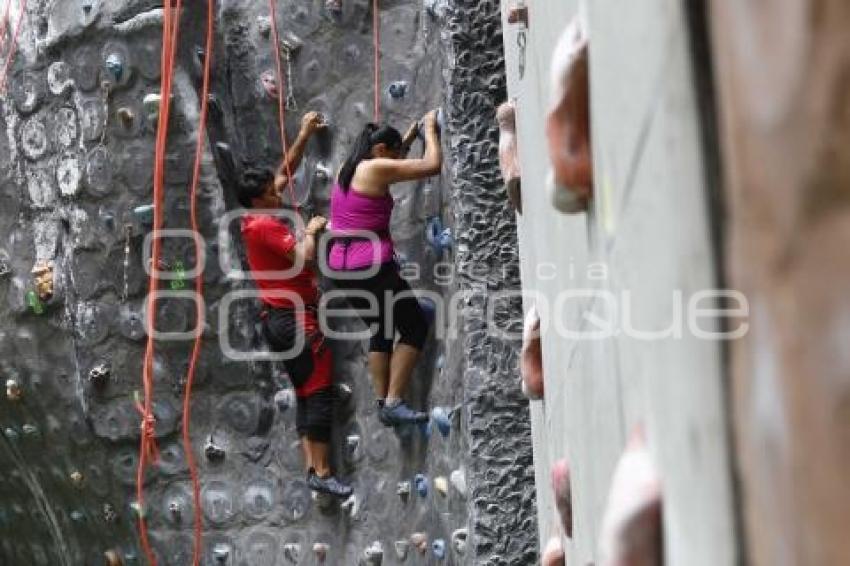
(361, 206)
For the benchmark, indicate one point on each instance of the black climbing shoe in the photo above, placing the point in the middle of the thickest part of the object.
(329, 485)
(400, 414)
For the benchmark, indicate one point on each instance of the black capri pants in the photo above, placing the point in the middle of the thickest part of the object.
(398, 309)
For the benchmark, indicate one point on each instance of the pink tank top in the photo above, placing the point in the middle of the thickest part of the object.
(353, 211)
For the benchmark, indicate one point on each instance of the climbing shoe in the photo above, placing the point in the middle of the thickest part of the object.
(400, 414)
(329, 485)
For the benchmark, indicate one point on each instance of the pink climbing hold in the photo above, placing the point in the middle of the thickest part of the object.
(508, 155)
(554, 554)
(269, 82)
(563, 494)
(531, 357)
(631, 533)
(568, 122)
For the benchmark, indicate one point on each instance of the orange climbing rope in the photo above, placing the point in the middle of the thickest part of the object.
(376, 26)
(13, 45)
(199, 289)
(148, 452)
(281, 111)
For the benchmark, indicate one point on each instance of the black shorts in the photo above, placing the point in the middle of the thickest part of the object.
(314, 415)
(398, 309)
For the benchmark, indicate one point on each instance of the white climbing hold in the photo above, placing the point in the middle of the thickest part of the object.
(459, 540)
(374, 554)
(13, 390)
(351, 506)
(458, 481)
(441, 484)
(402, 547)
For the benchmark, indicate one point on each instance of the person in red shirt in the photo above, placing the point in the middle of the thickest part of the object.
(290, 322)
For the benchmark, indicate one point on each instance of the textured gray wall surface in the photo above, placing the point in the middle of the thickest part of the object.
(502, 499)
(648, 233)
(71, 174)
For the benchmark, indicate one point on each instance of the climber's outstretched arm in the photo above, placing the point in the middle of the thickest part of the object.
(310, 123)
(388, 171)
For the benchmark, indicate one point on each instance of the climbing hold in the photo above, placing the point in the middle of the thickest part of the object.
(419, 542)
(343, 393)
(320, 549)
(112, 558)
(397, 89)
(30, 429)
(518, 14)
(137, 510)
(458, 481)
(151, 103)
(374, 554)
(179, 281)
(108, 513)
(334, 7)
(421, 483)
(631, 530)
(264, 26)
(221, 552)
(77, 479)
(562, 489)
(568, 122)
(508, 155)
(429, 309)
(439, 237)
(284, 399)
(34, 302)
(438, 547)
(212, 451)
(554, 554)
(402, 547)
(144, 214)
(11, 434)
(114, 64)
(352, 448)
(459, 539)
(403, 490)
(99, 375)
(441, 484)
(175, 509)
(292, 552)
(442, 418)
(351, 506)
(322, 173)
(269, 82)
(43, 276)
(77, 516)
(14, 392)
(5, 266)
(126, 117)
(531, 357)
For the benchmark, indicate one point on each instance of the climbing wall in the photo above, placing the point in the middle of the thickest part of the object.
(76, 173)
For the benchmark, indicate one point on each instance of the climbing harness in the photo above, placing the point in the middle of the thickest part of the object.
(13, 46)
(281, 104)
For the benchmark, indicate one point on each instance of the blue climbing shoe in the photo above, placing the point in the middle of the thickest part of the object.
(400, 414)
(329, 485)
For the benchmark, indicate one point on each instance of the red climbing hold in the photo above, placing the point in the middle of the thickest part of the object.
(568, 122)
(531, 357)
(563, 494)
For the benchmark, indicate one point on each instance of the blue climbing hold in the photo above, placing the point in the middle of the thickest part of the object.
(438, 547)
(438, 236)
(421, 483)
(115, 66)
(442, 418)
(440, 363)
(397, 89)
(429, 309)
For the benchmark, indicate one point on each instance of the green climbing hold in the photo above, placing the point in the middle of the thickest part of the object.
(34, 302)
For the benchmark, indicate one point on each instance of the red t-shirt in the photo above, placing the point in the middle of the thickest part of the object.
(268, 241)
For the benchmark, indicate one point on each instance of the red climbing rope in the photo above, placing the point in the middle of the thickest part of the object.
(199, 289)
(13, 46)
(376, 25)
(281, 110)
(148, 452)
